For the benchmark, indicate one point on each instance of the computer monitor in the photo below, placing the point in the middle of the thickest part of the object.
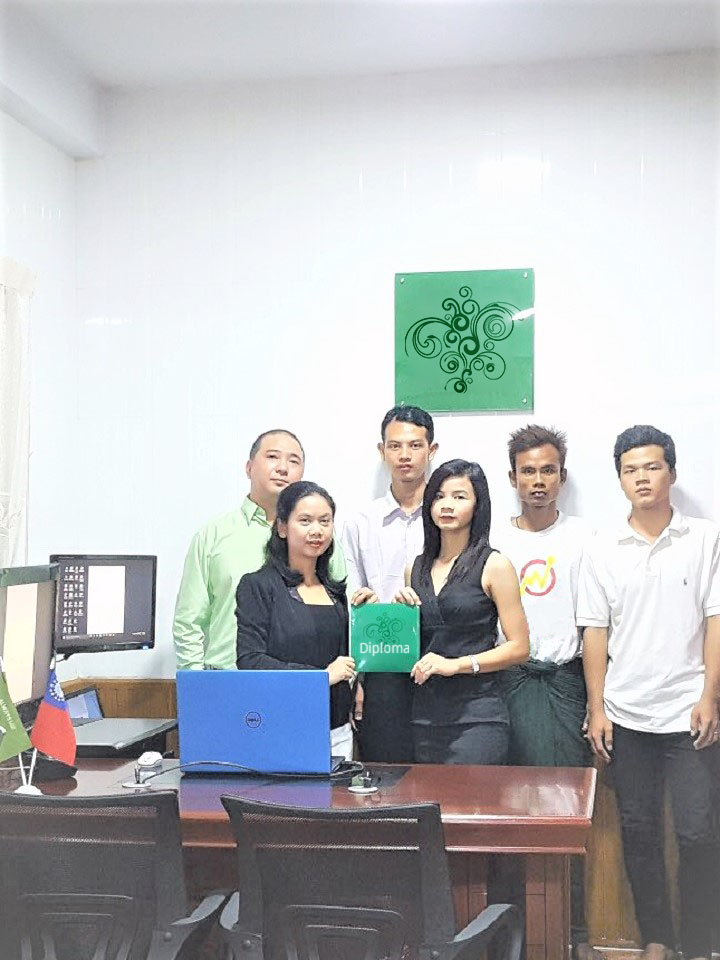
(27, 619)
(105, 603)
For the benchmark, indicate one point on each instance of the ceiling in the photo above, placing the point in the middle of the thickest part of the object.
(152, 43)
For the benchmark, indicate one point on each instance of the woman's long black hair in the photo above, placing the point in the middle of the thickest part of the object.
(479, 527)
(276, 551)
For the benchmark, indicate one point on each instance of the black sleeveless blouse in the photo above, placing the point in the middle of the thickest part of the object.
(458, 621)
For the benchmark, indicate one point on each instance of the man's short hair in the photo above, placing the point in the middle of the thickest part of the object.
(644, 435)
(257, 443)
(532, 436)
(403, 414)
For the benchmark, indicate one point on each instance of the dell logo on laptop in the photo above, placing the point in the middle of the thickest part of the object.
(253, 719)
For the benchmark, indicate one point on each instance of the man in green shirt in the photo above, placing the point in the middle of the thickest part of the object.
(230, 546)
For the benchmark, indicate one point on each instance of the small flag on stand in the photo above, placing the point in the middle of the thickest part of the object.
(13, 739)
(53, 731)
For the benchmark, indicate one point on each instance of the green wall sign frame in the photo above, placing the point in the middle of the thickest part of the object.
(464, 340)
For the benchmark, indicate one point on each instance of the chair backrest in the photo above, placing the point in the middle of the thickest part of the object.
(88, 878)
(341, 933)
(387, 858)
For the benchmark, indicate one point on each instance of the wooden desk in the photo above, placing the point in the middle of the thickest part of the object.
(541, 812)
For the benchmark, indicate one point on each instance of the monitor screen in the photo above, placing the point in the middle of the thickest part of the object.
(105, 603)
(27, 618)
(84, 704)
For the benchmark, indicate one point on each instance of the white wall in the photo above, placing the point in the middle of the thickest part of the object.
(235, 262)
(37, 229)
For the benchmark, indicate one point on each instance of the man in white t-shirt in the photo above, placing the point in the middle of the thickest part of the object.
(649, 599)
(546, 695)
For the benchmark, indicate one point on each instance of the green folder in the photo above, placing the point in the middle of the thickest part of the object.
(13, 739)
(385, 637)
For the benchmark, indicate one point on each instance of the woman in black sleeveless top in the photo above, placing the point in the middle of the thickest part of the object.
(462, 585)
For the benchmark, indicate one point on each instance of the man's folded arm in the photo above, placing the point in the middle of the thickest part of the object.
(192, 609)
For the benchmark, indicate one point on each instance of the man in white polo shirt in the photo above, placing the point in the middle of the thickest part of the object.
(380, 541)
(649, 600)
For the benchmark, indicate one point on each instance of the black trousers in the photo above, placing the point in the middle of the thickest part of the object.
(385, 733)
(642, 764)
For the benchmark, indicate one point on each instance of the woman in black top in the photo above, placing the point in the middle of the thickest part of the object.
(462, 586)
(290, 614)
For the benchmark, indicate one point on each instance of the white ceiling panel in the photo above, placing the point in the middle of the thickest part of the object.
(152, 43)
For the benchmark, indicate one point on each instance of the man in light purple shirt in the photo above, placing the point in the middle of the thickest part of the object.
(380, 542)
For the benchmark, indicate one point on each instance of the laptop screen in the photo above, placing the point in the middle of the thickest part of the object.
(260, 721)
(84, 705)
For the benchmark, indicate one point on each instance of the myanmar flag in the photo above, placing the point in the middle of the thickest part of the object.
(53, 732)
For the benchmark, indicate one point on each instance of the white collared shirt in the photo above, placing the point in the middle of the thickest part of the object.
(379, 543)
(654, 598)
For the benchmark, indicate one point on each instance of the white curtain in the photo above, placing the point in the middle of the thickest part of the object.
(16, 287)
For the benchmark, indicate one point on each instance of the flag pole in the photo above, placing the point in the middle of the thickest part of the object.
(32, 766)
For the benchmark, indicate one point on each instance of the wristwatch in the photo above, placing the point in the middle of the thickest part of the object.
(475, 664)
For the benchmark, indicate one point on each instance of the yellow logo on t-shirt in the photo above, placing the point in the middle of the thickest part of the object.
(537, 577)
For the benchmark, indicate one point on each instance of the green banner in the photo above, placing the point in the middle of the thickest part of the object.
(385, 637)
(13, 739)
(464, 340)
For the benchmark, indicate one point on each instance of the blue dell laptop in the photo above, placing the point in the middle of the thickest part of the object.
(268, 721)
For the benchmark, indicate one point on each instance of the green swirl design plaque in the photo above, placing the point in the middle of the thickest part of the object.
(464, 340)
(384, 637)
